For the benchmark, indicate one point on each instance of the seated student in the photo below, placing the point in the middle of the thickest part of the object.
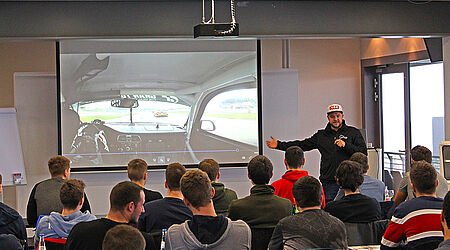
(445, 245)
(417, 221)
(293, 160)
(311, 227)
(126, 204)
(137, 172)
(162, 213)
(405, 192)
(370, 187)
(123, 237)
(222, 196)
(44, 198)
(58, 225)
(10, 221)
(353, 207)
(206, 230)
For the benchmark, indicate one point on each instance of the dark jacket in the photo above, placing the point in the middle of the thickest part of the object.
(331, 154)
(262, 209)
(222, 198)
(11, 222)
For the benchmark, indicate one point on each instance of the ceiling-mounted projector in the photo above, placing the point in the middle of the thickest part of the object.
(216, 30)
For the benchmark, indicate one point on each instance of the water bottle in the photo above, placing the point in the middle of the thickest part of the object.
(163, 239)
(42, 242)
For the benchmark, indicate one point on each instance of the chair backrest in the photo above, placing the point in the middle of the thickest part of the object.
(366, 233)
(54, 244)
(261, 238)
(431, 244)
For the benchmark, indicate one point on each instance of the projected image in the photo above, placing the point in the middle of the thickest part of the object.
(163, 107)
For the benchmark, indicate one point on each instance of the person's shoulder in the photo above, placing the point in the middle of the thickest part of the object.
(229, 191)
(239, 224)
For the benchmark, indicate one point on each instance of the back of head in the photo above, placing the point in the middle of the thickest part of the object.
(210, 167)
(137, 169)
(1, 179)
(307, 192)
(174, 171)
(423, 176)
(294, 156)
(446, 210)
(421, 153)
(361, 159)
(260, 169)
(124, 193)
(196, 188)
(349, 175)
(57, 165)
(123, 237)
(71, 193)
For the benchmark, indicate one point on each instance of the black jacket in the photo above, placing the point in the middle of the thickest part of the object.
(11, 222)
(332, 155)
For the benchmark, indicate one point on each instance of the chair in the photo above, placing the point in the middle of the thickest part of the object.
(431, 244)
(387, 209)
(54, 244)
(261, 238)
(359, 234)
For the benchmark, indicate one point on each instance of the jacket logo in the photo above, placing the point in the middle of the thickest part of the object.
(343, 137)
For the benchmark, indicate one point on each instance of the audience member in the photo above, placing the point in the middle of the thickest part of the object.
(222, 196)
(445, 216)
(10, 242)
(162, 213)
(206, 230)
(293, 160)
(262, 209)
(311, 227)
(58, 225)
(137, 172)
(126, 204)
(10, 221)
(123, 237)
(417, 221)
(370, 187)
(44, 197)
(353, 207)
(405, 192)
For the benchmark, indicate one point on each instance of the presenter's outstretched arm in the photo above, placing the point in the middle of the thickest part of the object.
(273, 143)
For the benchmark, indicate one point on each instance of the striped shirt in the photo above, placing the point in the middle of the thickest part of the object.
(414, 221)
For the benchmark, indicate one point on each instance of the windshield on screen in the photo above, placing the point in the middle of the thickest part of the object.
(152, 113)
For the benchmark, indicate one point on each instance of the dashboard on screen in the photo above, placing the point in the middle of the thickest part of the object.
(161, 101)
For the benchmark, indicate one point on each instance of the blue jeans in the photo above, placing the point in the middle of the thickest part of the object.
(330, 188)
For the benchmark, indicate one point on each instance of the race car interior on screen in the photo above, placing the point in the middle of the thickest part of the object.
(171, 101)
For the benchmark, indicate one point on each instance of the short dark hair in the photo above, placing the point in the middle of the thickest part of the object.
(361, 159)
(307, 192)
(349, 175)
(57, 165)
(123, 237)
(294, 156)
(1, 179)
(421, 153)
(71, 193)
(124, 193)
(174, 171)
(196, 188)
(137, 169)
(211, 167)
(423, 176)
(260, 169)
(446, 209)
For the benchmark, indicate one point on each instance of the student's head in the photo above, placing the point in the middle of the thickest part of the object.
(128, 199)
(59, 166)
(421, 153)
(294, 157)
(71, 194)
(137, 170)
(260, 170)
(361, 159)
(349, 175)
(307, 192)
(174, 171)
(423, 177)
(196, 188)
(123, 237)
(445, 218)
(210, 167)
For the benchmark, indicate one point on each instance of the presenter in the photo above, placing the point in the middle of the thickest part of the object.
(336, 143)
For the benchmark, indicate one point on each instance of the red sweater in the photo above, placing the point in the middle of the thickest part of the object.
(283, 187)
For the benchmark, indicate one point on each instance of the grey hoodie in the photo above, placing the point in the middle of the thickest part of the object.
(58, 226)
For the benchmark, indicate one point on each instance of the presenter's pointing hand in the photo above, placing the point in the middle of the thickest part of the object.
(273, 143)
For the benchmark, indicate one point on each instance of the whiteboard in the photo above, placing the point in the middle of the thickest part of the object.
(11, 157)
